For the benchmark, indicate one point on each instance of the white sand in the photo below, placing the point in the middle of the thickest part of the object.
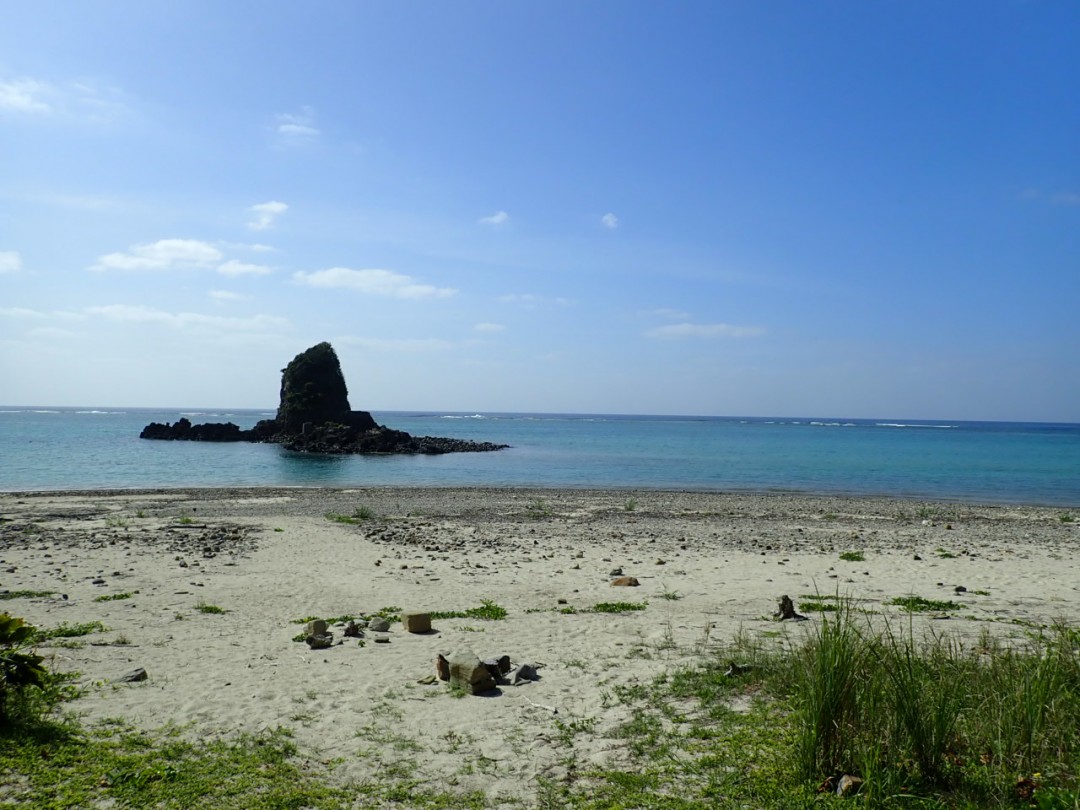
(727, 559)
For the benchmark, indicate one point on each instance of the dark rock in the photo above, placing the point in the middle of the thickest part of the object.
(786, 610)
(314, 416)
(848, 784)
(313, 391)
(134, 676)
(442, 667)
(321, 641)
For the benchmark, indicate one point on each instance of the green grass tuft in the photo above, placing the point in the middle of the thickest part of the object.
(25, 594)
(115, 597)
(618, 607)
(917, 604)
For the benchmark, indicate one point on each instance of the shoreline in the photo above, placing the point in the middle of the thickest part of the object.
(152, 565)
(585, 490)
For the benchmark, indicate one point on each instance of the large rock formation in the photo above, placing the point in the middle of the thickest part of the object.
(314, 416)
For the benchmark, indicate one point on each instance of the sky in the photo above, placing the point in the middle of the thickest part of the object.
(730, 208)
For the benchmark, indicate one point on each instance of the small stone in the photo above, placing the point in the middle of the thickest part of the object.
(960, 589)
(379, 625)
(468, 673)
(615, 572)
(498, 666)
(382, 639)
(625, 582)
(352, 630)
(917, 557)
(524, 672)
(134, 676)
(848, 784)
(320, 642)
(98, 581)
(661, 562)
(317, 627)
(416, 622)
(442, 667)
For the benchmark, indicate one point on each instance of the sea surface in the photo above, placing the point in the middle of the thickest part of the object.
(984, 462)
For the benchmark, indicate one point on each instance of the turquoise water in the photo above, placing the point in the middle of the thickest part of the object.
(989, 462)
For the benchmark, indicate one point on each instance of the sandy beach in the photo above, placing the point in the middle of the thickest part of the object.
(708, 566)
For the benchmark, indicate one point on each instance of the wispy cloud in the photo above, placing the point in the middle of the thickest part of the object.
(400, 344)
(372, 282)
(24, 96)
(124, 313)
(238, 268)
(130, 314)
(296, 128)
(226, 295)
(678, 331)
(609, 220)
(82, 101)
(163, 255)
(265, 214)
(489, 327)
(10, 261)
(532, 301)
(498, 218)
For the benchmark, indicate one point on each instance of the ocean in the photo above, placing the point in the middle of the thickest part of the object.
(980, 462)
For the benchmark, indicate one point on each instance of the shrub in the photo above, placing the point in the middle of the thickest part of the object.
(20, 667)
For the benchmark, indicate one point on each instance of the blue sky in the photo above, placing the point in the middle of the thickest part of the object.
(775, 208)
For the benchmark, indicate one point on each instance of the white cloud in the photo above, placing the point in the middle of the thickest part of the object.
(703, 330)
(531, 301)
(10, 261)
(372, 282)
(238, 268)
(226, 295)
(123, 313)
(401, 344)
(265, 214)
(489, 327)
(165, 254)
(22, 312)
(24, 95)
(498, 218)
(296, 128)
(82, 102)
(609, 220)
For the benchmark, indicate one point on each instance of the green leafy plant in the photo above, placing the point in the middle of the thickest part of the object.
(852, 556)
(487, 610)
(917, 604)
(618, 607)
(359, 515)
(25, 594)
(20, 667)
(538, 509)
(65, 630)
(115, 597)
(202, 607)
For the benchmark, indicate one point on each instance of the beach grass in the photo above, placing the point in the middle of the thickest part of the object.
(923, 720)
